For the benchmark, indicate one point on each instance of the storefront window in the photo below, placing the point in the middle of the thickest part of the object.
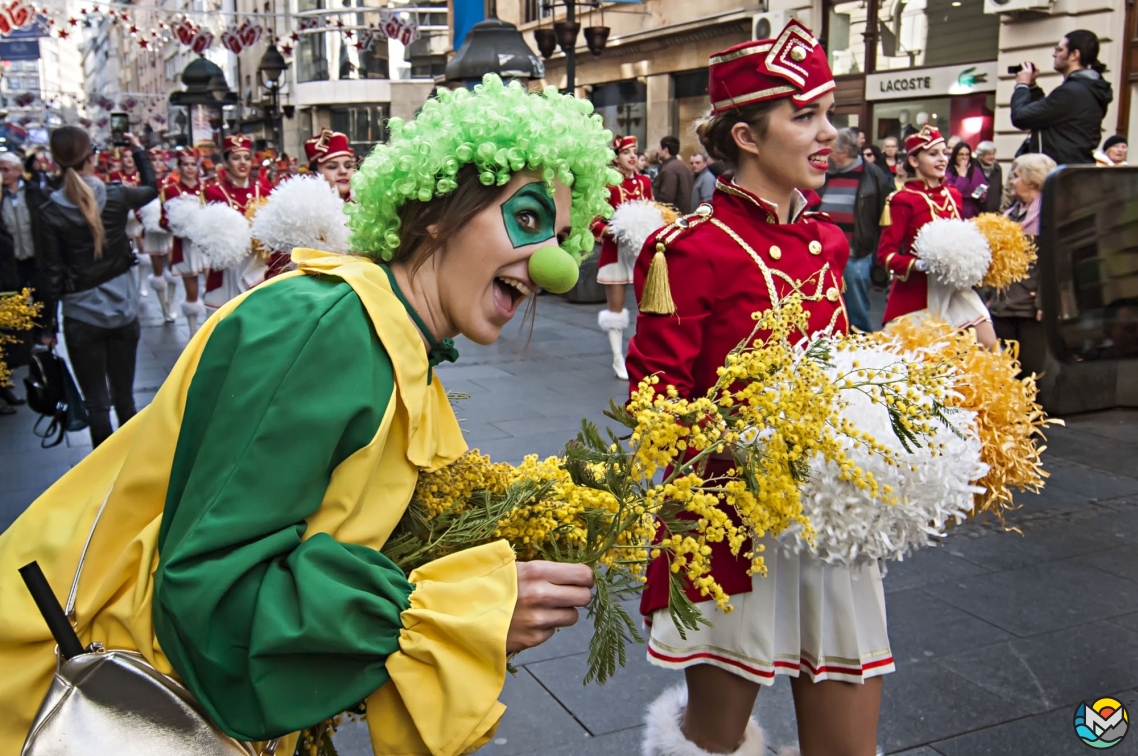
(364, 125)
(845, 41)
(692, 103)
(963, 33)
(624, 107)
(970, 117)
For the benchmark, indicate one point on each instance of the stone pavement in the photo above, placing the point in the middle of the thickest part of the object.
(998, 636)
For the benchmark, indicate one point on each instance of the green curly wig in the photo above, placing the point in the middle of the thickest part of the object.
(499, 128)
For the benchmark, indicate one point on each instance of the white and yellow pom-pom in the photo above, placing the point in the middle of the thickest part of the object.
(302, 212)
(218, 231)
(955, 251)
(1013, 251)
(151, 216)
(632, 223)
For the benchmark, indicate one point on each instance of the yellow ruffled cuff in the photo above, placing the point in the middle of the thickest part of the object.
(442, 699)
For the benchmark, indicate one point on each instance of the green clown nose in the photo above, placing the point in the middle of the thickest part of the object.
(553, 269)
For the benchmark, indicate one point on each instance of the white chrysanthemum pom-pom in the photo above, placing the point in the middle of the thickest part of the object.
(151, 216)
(632, 223)
(221, 234)
(181, 214)
(133, 226)
(302, 212)
(932, 489)
(955, 251)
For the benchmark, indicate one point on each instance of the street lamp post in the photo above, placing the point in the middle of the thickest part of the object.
(565, 33)
(269, 72)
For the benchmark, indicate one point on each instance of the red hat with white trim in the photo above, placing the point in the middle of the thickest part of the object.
(621, 142)
(233, 142)
(791, 65)
(928, 136)
(326, 145)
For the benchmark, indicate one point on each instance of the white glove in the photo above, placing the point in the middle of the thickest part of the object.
(921, 265)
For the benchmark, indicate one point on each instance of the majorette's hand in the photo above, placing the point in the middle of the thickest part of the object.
(921, 265)
(549, 595)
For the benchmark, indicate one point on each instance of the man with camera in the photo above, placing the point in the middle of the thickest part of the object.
(1065, 125)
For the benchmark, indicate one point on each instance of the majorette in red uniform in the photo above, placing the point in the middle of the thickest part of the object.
(185, 261)
(156, 241)
(729, 259)
(910, 208)
(614, 271)
(223, 285)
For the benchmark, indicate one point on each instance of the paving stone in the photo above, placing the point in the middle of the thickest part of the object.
(1089, 449)
(1009, 550)
(622, 743)
(923, 627)
(922, 702)
(1121, 562)
(534, 721)
(617, 705)
(927, 566)
(1127, 620)
(1041, 598)
(1091, 483)
(1048, 734)
(1053, 670)
(922, 751)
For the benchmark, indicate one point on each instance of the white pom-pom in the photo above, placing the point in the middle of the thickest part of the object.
(182, 213)
(221, 234)
(151, 216)
(933, 489)
(302, 212)
(133, 226)
(632, 223)
(955, 251)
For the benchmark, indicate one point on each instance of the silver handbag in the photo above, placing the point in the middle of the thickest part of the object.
(113, 702)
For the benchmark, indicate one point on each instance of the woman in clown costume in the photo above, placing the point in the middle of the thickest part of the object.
(243, 511)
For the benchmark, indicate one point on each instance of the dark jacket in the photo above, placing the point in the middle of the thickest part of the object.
(673, 185)
(68, 261)
(995, 182)
(1066, 125)
(873, 191)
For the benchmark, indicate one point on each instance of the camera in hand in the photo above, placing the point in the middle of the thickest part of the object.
(120, 125)
(1013, 70)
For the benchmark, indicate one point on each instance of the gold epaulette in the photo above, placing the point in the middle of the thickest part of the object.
(656, 299)
(886, 217)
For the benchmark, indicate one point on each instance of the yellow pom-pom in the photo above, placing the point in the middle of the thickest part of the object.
(1013, 251)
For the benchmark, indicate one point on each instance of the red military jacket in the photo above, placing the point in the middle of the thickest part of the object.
(173, 187)
(223, 191)
(728, 260)
(126, 179)
(910, 208)
(634, 187)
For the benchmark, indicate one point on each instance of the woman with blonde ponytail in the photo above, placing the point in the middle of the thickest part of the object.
(86, 265)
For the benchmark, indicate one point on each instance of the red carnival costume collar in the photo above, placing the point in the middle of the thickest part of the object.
(767, 210)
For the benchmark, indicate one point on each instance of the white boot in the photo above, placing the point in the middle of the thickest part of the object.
(663, 736)
(171, 293)
(192, 311)
(615, 323)
(158, 283)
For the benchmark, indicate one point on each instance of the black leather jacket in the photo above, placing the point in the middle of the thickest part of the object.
(67, 261)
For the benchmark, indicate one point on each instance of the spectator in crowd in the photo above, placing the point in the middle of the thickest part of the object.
(985, 159)
(22, 223)
(871, 154)
(1066, 124)
(642, 164)
(1016, 311)
(966, 176)
(87, 264)
(902, 174)
(673, 184)
(37, 169)
(9, 352)
(890, 149)
(860, 137)
(953, 140)
(704, 185)
(652, 161)
(1113, 151)
(854, 196)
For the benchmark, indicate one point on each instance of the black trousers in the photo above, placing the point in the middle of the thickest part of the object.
(102, 357)
(1032, 339)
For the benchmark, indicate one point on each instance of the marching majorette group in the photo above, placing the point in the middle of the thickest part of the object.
(202, 227)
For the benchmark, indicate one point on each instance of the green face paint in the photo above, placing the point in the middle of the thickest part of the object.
(529, 215)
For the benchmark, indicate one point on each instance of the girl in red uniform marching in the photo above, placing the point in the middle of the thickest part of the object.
(918, 202)
(185, 261)
(613, 272)
(235, 187)
(755, 244)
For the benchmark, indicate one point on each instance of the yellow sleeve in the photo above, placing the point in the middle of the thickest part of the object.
(442, 699)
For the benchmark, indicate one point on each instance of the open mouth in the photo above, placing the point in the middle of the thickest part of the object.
(509, 293)
(820, 160)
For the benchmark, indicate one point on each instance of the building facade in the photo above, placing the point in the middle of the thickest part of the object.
(41, 87)
(898, 63)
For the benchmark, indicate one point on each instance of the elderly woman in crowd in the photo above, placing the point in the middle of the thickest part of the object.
(1016, 311)
(985, 159)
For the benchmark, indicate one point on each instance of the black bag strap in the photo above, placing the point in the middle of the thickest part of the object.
(56, 427)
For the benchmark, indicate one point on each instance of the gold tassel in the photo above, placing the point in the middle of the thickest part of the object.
(886, 218)
(657, 296)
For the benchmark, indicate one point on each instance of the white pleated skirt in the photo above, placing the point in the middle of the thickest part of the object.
(236, 281)
(614, 273)
(157, 243)
(193, 261)
(804, 617)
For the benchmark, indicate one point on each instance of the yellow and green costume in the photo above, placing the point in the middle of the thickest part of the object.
(245, 509)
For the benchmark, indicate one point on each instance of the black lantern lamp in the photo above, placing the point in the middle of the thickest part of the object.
(204, 85)
(270, 72)
(494, 46)
(546, 40)
(596, 37)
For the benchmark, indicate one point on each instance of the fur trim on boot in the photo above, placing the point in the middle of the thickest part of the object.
(192, 311)
(609, 320)
(663, 736)
(158, 283)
